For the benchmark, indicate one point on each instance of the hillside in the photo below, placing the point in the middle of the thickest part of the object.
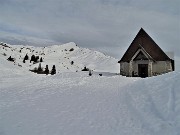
(61, 56)
(73, 103)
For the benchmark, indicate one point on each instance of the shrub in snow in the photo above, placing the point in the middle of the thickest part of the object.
(72, 49)
(85, 69)
(19, 65)
(4, 54)
(53, 71)
(72, 62)
(4, 44)
(10, 59)
(34, 70)
(90, 73)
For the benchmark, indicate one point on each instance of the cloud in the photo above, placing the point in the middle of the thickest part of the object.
(107, 25)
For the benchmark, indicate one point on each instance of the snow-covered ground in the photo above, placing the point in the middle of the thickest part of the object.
(73, 103)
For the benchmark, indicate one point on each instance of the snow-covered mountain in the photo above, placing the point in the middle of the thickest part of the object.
(74, 103)
(62, 57)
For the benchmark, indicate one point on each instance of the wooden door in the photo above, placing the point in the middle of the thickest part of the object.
(143, 70)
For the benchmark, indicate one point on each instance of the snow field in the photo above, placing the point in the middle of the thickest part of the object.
(74, 103)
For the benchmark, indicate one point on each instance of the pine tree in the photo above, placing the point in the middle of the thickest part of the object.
(53, 71)
(33, 57)
(41, 60)
(40, 68)
(46, 70)
(24, 60)
(26, 57)
(36, 59)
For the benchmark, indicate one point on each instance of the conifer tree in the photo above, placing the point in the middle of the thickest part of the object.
(53, 71)
(33, 57)
(36, 59)
(41, 60)
(26, 57)
(46, 70)
(39, 68)
(24, 60)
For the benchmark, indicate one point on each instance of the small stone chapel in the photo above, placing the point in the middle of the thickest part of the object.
(144, 58)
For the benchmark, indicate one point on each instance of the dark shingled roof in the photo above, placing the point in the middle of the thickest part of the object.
(144, 40)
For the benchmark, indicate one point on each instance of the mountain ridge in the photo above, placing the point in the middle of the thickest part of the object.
(67, 57)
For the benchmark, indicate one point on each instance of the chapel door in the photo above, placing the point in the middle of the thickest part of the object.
(143, 70)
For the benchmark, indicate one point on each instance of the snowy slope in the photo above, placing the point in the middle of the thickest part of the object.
(61, 56)
(72, 103)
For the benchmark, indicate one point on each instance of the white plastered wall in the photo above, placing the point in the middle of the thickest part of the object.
(161, 67)
(124, 68)
(154, 68)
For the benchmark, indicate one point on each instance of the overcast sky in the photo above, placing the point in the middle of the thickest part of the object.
(108, 26)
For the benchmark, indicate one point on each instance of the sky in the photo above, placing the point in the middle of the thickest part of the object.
(107, 26)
